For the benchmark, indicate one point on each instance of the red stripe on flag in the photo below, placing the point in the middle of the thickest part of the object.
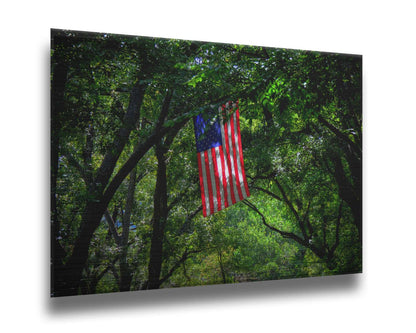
(217, 178)
(224, 180)
(241, 152)
(211, 201)
(227, 157)
(240, 194)
(201, 181)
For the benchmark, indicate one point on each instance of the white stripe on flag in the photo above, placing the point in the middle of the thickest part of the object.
(227, 175)
(237, 145)
(219, 166)
(204, 178)
(233, 171)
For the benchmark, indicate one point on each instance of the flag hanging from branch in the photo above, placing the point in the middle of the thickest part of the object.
(220, 158)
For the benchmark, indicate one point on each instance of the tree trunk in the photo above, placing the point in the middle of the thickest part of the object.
(349, 194)
(57, 106)
(223, 275)
(160, 207)
(68, 277)
(268, 117)
(160, 213)
(125, 271)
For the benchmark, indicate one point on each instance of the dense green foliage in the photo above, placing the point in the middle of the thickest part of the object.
(125, 199)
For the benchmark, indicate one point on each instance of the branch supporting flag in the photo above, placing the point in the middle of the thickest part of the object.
(220, 158)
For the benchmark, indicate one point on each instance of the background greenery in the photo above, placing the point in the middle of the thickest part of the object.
(125, 200)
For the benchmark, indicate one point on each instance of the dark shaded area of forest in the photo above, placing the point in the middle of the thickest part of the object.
(125, 199)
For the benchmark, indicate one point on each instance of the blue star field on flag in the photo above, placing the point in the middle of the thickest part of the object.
(207, 131)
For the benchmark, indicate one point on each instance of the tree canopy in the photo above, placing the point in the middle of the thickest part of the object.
(126, 209)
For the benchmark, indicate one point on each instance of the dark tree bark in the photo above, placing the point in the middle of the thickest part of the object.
(160, 214)
(349, 193)
(57, 107)
(268, 117)
(160, 210)
(125, 270)
(223, 275)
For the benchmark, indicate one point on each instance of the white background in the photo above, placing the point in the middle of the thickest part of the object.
(380, 299)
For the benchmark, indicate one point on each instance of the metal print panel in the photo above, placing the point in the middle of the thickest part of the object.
(180, 163)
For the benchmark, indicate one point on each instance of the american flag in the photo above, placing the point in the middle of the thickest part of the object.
(220, 158)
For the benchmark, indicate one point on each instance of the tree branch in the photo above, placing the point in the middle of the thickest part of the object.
(129, 122)
(111, 225)
(292, 208)
(165, 110)
(139, 151)
(273, 195)
(87, 152)
(307, 220)
(301, 241)
(184, 257)
(340, 135)
(188, 219)
(77, 165)
(335, 245)
(282, 233)
(129, 207)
